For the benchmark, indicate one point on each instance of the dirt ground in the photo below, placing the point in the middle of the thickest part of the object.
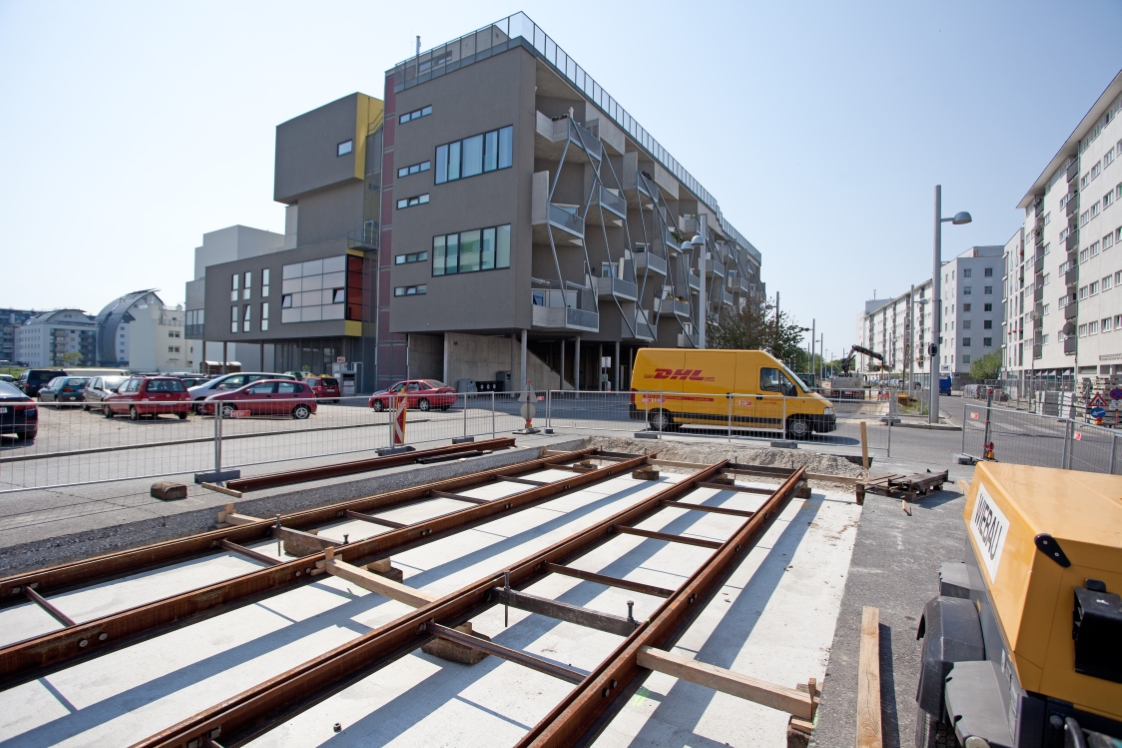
(693, 452)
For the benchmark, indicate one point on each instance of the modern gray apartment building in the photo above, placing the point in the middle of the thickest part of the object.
(499, 212)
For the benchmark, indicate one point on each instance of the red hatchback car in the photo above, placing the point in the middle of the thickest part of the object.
(266, 397)
(424, 394)
(325, 388)
(148, 396)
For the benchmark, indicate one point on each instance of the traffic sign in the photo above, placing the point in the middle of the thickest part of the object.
(1098, 401)
(1116, 393)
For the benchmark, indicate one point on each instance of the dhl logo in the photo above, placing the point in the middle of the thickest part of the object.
(690, 374)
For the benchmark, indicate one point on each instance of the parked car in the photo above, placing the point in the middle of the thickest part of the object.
(226, 382)
(148, 396)
(8, 378)
(423, 394)
(64, 390)
(190, 382)
(32, 380)
(326, 388)
(99, 388)
(19, 414)
(268, 397)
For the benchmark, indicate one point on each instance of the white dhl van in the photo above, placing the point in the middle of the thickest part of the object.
(675, 386)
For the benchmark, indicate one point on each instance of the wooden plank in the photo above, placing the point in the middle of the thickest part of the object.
(667, 537)
(784, 699)
(560, 611)
(625, 584)
(370, 581)
(864, 447)
(704, 508)
(221, 489)
(868, 682)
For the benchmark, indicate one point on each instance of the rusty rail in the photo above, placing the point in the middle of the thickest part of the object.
(35, 657)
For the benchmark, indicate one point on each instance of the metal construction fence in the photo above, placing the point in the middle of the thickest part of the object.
(1034, 439)
(78, 445)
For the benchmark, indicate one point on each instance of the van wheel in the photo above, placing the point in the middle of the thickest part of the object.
(798, 428)
(932, 733)
(661, 420)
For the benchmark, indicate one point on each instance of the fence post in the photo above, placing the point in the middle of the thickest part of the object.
(730, 396)
(986, 435)
(963, 450)
(465, 414)
(1067, 441)
(492, 414)
(549, 409)
(1113, 449)
(783, 422)
(888, 451)
(218, 441)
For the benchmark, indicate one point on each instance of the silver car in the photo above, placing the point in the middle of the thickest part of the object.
(228, 382)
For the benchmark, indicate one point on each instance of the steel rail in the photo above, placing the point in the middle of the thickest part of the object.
(580, 713)
(253, 712)
(32, 658)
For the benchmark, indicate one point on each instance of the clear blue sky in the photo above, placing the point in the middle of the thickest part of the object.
(130, 129)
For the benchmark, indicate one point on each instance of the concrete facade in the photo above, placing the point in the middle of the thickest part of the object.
(972, 317)
(139, 332)
(10, 319)
(1063, 267)
(45, 339)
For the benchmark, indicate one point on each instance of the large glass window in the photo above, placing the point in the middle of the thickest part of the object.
(475, 155)
(471, 251)
(317, 290)
(265, 316)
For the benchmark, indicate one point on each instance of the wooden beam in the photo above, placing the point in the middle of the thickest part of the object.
(704, 508)
(230, 517)
(370, 581)
(868, 682)
(790, 700)
(374, 520)
(459, 497)
(667, 536)
(222, 489)
(565, 612)
(625, 584)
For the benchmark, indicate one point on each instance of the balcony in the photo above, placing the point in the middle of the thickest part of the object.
(695, 281)
(1038, 294)
(552, 135)
(672, 307)
(726, 297)
(649, 260)
(640, 329)
(672, 243)
(1070, 345)
(607, 287)
(1072, 243)
(687, 225)
(1071, 277)
(571, 309)
(1073, 205)
(685, 341)
(1038, 265)
(745, 286)
(1073, 170)
(715, 267)
(1037, 352)
(1071, 311)
(364, 238)
(610, 201)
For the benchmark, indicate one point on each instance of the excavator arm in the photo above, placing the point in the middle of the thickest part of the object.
(847, 362)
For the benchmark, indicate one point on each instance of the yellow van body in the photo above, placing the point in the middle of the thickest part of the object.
(747, 389)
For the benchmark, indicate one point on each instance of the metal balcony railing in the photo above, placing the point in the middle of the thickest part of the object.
(610, 201)
(566, 219)
(612, 286)
(675, 307)
(650, 261)
(695, 281)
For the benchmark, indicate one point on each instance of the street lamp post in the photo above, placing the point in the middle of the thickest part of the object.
(698, 241)
(959, 219)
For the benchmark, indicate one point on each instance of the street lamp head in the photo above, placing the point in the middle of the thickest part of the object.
(687, 246)
(697, 241)
(961, 218)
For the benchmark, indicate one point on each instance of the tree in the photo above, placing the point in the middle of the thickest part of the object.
(986, 367)
(754, 328)
(71, 358)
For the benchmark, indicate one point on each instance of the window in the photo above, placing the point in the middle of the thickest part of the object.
(471, 251)
(245, 320)
(1108, 158)
(264, 316)
(1093, 328)
(966, 342)
(1082, 331)
(414, 169)
(233, 319)
(265, 282)
(236, 284)
(1047, 308)
(1095, 207)
(987, 324)
(409, 202)
(987, 342)
(966, 358)
(967, 272)
(1044, 340)
(1047, 218)
(1096, 170)
(1108, 241)
(411, 257)
(1083, 217)
(988, 290)
(1107, 283)
(966, 291)
(1094, 288)
(1085, 255)
(344, 148)
(1094, 249)
(1047, 279)
(965, 324)
(772, 380)
(410, 290)
(311, 291)
(1084, 181)
(1083, 293)
(477, 154)
(1108, 198)
(1118, 321)
(415, 114)
(248, 285)
(987, 307)
(966, 307)
(988, 272)
(1106, 324)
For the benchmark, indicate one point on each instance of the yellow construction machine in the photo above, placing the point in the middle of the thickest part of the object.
(1023, 646)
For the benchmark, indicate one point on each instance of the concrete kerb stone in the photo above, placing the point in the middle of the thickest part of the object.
(37, 547)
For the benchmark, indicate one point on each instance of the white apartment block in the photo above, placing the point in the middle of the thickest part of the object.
(45, 339)
(972, 317)
(1062, 270)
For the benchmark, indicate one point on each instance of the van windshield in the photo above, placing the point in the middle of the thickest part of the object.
(795, 378)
